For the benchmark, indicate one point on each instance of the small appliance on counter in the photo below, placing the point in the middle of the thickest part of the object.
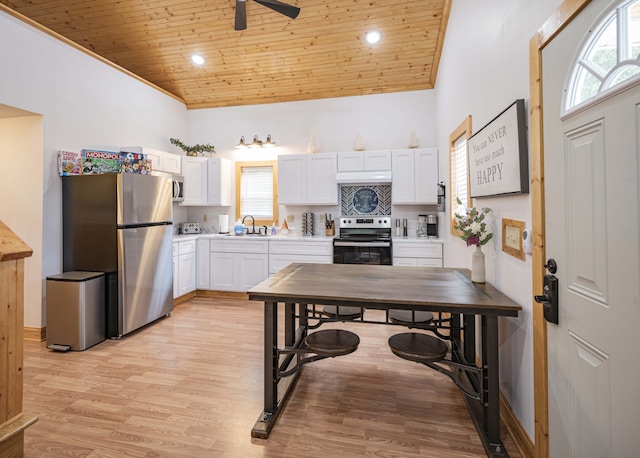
(432, 226)
(421, 229)
(190, 228)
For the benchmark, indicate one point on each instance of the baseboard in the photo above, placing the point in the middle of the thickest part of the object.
(516, 431)
(225, 294)
(184, 298)
(35, 334)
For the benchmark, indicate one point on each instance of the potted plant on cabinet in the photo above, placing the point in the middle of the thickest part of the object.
(194, 150)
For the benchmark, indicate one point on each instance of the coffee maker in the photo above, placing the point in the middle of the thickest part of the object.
(432, 226)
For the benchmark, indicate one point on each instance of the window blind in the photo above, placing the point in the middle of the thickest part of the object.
(256, 192)
(460, 151)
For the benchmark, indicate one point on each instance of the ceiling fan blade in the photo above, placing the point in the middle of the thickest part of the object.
(282, 8)
(241, 15)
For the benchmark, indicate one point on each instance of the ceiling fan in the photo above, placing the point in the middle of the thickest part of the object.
(282, 8)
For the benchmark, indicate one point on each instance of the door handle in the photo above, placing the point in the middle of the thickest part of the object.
(549, 299)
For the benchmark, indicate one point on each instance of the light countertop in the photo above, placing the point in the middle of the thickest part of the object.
(315, 238)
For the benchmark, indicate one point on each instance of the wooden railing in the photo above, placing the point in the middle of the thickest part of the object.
(12, 421)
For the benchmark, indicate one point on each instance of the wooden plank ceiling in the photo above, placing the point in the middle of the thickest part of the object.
(320, 54)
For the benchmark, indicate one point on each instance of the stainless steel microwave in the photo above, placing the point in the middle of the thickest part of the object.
(178, 188)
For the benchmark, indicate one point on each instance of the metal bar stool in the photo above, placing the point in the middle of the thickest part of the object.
(332, 342)
(428, 350)
(409, 317)
(420, 348)
(342, 312)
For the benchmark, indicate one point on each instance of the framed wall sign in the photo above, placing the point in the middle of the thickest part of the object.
(512, 237)
(498, 155)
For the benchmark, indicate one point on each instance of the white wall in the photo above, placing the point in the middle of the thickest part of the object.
(484, 68)
(84, 104)
(383, 121)
(21, 140)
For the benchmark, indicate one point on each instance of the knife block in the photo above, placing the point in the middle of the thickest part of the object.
(330, 231)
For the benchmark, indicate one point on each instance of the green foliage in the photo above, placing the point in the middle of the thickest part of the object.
(198, 149)
(472, 226)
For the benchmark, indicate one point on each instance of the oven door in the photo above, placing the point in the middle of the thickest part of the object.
(350, 252)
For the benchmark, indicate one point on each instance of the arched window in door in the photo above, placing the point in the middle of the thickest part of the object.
(609, 57)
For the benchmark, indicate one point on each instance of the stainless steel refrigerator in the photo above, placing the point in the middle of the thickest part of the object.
(121, 224)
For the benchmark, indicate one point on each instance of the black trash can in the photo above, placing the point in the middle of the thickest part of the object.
(76, 315)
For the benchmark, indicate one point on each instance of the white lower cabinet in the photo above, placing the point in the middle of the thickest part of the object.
(284, 252)
(175, 270)
(417, 254)
(184, 267)
(202, 263)
(238, 265)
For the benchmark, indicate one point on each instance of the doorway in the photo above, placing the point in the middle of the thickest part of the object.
(21, 208)
(582, 413)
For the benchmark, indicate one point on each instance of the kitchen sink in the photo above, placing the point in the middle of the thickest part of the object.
(247, 235)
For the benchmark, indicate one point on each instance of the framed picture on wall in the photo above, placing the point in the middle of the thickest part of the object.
(498, 155)
(512, 237)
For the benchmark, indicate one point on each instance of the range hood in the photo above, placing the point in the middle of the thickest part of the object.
(364, 177)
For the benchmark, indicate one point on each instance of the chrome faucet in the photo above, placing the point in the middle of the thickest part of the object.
(253, 224)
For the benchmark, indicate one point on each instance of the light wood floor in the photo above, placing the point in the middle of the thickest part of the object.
(190, 385)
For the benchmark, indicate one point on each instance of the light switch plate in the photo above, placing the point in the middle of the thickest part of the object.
(526, 241)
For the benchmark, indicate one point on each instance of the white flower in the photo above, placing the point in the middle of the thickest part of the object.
(475, 228)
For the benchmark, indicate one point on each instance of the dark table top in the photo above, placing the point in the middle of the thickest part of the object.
(419, 288)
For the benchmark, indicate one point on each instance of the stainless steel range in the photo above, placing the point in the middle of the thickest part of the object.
(363, 240)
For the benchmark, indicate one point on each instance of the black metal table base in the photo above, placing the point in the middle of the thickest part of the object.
(479, 386)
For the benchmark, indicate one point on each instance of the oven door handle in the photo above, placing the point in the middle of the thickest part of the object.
(362, 244)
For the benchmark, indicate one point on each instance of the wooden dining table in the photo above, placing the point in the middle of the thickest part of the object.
(447, 292)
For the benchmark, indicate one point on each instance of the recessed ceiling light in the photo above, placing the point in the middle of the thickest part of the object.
(372, 37)
(197, 59)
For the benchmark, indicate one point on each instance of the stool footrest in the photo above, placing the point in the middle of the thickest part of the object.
(332, 342)
(421, 348)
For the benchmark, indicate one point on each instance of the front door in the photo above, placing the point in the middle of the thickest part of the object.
(591, 173)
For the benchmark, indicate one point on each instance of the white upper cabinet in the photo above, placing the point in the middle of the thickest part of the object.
(307, 179)
(171, 163)
(356, 161)
(292, 179)
(415, 176)
(322, 188)
(195, 171)
(161, 161)
(207, 181)
(219, 181)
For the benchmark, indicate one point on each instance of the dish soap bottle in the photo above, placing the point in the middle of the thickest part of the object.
(238, 229)
(273, 228)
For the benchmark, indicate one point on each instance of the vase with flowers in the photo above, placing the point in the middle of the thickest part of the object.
(472, 228)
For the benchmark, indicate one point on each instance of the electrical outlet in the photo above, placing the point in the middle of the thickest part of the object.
(290, 218)
(205, 218)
